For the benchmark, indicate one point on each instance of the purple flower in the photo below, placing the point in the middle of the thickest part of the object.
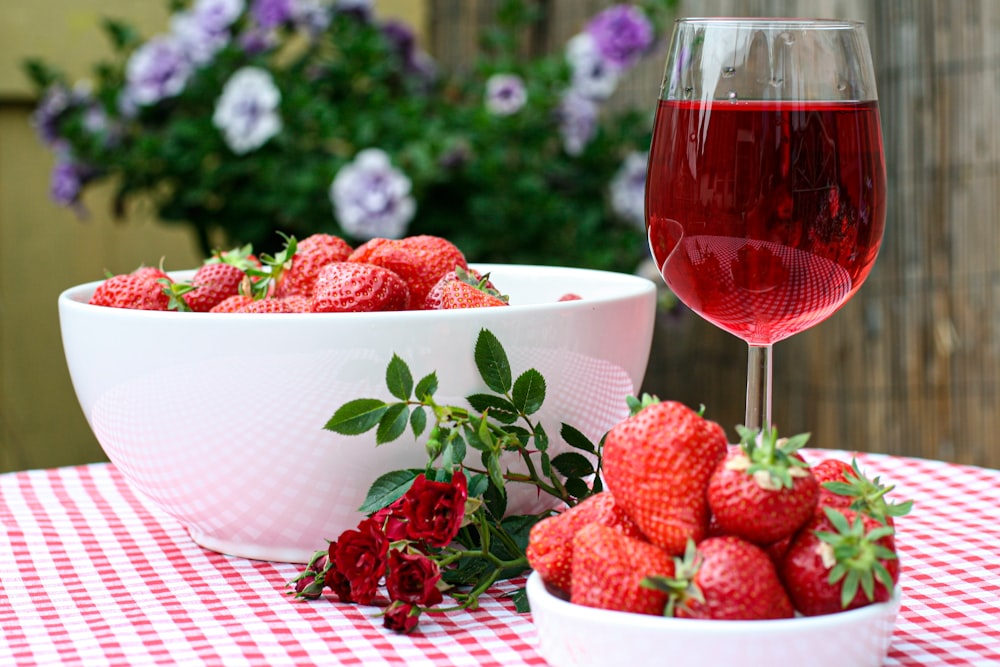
(272, 13)
(628, 189)
(204, 30)
(247, 110)
(371, 198)
(256, 40)
(45, 119)
(218, 15)
(622, 33)
(401, 39)
(505, 94)
(157, 70)
(577, 122)
(67, 181)
(592, 75)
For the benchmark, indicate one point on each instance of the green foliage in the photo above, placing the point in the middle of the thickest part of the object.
(501, 187)
(491, 545)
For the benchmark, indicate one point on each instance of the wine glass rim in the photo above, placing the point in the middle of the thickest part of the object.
(797, 22)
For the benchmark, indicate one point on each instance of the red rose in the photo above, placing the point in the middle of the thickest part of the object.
(434, 510)
(413, 578)
(401, 617)
(392, 521)
(360, 559)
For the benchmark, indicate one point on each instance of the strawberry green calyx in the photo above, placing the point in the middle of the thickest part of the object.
(265, 278)
(241, 257)
(636, 405)
(681, 587)
(482, 284)
(175, 292)
(856, 555)
(772, 461)
(868, 495)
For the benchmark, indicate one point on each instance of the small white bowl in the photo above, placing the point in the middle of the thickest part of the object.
(572, 635)
(218, 419)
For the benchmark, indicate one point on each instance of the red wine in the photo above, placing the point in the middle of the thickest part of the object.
(765, 217)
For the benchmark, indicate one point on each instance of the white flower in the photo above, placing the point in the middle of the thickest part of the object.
(505, 94)
(371, 198)
(592, 75)
(247, 110)
(628, 189)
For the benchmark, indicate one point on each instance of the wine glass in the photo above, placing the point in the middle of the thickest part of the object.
(765, 191)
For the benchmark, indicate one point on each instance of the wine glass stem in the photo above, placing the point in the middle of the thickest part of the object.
(758, 414)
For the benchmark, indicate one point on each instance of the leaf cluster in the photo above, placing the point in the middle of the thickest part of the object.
(485, 439)
(500, 187)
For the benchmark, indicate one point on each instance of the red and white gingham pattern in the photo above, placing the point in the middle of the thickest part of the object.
(90, 574)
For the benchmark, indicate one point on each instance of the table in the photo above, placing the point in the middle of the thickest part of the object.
(92, 574)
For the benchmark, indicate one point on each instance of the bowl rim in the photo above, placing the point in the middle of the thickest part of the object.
(538, 594)
(632, 286)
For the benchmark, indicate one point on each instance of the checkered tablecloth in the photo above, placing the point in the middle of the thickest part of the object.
(91, 574)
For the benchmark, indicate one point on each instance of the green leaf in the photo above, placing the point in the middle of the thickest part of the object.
(541, 438)
(477, 485)
(574, 438)
(418, 421)
(472, 438)
(426, 387)
(499, 407)
(577, 488)
(393, 423)
(453, 453)
(518, 528)
(494, 470)
(529, 391)
(357, 416)
(520, 599)
(495, 499)
(398, 378)
(572, 464)
(491, 360)
(387, 489)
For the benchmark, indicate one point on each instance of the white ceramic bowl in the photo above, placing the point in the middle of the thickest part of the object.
(572, 635)
(218, 418)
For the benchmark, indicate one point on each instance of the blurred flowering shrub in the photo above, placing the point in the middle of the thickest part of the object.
(246, 117)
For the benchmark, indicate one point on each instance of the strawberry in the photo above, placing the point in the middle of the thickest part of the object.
(141, 290)
(463, 288)
(356, 286)
(297, 304)
(152, 272)
(840, 560)
(364, 251)
(312, 254)
(831, 470)
(609, 567)
(763, 490)
(268, 305)
(724, 578)
(233, 304)
(550, 542)
(211, 284)
(844, 486)
(657, 463)
(419, 260)
(570, 296)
